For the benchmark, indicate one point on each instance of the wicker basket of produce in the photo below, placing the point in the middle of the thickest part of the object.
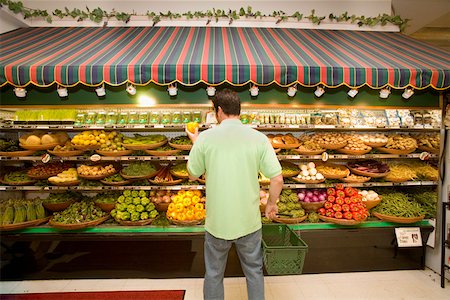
(333, 146)
(332, 171)
(369, 168)
(66, 153)
(400, 172)
(289, 169)
(17, 178)
(180, 147)
(22, 225)
(135, 223)
(82, 225)
(38, 147)
(167, 183)
(66, 183)
(58, 206)
(285, 146)
(429, 149)
(185, 223)
(375, 145)
(354, 152)
(114, 153)
(139, 170)
(143, 176)
(115, 180)
(162, 206)
(401, 220)
(179, 170)
(312, 206)
(17, 153)
(163, 153)
(396, 151)
(352, 178)
(304, 151)
(86, 147)
(344, 222)
(290, 220)
(372, 203)
(144, 146)
(105, 206)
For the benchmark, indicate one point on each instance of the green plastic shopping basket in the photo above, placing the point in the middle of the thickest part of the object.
(284, 251)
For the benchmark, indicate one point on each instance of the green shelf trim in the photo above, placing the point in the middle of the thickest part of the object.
(198, 229)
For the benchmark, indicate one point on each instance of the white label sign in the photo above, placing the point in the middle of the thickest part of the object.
(408, 237)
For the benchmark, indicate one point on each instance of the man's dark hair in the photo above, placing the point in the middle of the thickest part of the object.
(229, 101)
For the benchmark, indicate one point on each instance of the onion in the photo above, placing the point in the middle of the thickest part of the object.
(315, 198)
(315, 192)
(301, 196)
(309, 194)
(322, 197)
(307, 200)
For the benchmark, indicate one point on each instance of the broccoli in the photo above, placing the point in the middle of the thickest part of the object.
(142, 194)
(139, 208)
(145, 201)
(144, 215)
(131, 208)
(136, 200)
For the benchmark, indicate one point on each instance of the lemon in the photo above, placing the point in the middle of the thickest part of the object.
(86, 143)
(93, 142)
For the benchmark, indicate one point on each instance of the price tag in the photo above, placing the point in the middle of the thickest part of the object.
(295, 156)
(324, 156)
(171, 158)
(41, 127)
(408, 237)
(424, 156)
(139, 126)
(69, 127)
(95, 157)
(159, 126)
(293, 126)
(45, 158)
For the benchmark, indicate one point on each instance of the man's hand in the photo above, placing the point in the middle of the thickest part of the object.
(192, 136)
(271, 210)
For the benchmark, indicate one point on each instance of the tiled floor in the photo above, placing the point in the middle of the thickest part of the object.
(368, 285)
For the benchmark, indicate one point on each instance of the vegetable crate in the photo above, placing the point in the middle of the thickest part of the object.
(284, 251)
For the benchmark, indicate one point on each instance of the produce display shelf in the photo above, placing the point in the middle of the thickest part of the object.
(112, 228)
(185, 157)
(202, 187)
(204, 126)
(100, 188)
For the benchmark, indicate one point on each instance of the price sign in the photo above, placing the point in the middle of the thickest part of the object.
(324, 156)
(95, 157)
(45, 158)
(408, 237)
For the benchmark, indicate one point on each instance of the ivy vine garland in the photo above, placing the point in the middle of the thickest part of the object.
(97, 15)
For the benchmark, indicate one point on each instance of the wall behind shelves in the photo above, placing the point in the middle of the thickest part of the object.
(152, 94)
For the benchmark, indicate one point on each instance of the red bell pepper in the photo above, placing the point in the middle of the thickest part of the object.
(328, 205)
(322, 211)
(337, 207)
(339, 200)
(340, 194)
(331, 198)
(349, 191)
(329, 213)
(348, 215)
(338, 215)
(345, 207)
(331, 191)
(347, 200)
(339, 186)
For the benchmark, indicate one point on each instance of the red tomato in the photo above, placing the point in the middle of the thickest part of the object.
(338, 215)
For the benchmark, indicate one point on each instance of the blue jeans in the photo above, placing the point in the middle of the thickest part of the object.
(250, 255)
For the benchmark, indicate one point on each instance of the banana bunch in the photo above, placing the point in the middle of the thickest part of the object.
(14, 211)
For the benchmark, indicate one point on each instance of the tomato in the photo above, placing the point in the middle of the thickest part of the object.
(331, 199)
(348, 215)
(340, 200)
(337, 207)
(349, 191)
(338, 215)
(345, 207)
(347, 200)
(328, 205)
(331, 192)
(339, 186)
(322, 211)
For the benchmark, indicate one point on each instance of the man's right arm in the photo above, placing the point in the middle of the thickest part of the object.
(276, 185)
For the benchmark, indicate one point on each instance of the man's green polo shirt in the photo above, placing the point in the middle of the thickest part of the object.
(232, 155)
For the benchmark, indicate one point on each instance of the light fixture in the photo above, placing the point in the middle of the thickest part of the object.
(254, 90)
(211, 91)
(172, 89)
(131, 89)
(353, 92)
(384, 93)
(408, 93)
(20, 92)
(62, 91)
(292, 90)
(319, 91)
(101, 90)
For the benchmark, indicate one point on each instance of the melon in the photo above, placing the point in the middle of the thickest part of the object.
(33, 140)
(49, 139)
(62, 137)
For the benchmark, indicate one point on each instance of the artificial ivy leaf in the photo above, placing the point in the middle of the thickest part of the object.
(49, 19)
(242, 12)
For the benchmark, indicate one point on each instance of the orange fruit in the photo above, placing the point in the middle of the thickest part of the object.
(191, 126)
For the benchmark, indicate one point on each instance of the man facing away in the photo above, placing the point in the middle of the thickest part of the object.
(231, 155)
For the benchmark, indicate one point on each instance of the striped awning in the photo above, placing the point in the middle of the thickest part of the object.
(213, 55)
